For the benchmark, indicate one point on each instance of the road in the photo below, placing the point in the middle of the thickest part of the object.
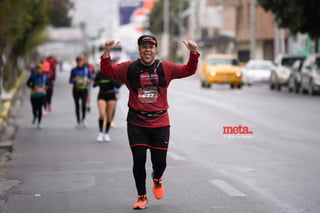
(275, 169)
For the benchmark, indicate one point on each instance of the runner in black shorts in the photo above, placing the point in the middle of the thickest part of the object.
(106, 103)
(148, 121)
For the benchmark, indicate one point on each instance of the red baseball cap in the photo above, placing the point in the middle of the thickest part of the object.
(147, 38)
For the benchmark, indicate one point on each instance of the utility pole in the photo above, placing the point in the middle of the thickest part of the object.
(276, 39)
(192, 16)
(282, 41)
(165, 36)
(279, 40)
(180, 19)
(252, 29)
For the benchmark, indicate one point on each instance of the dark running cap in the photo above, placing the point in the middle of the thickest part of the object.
(79, 58)
(147, 38)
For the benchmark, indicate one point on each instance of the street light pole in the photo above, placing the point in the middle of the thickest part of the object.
(165, 36)
(192, 15)
(252, 29)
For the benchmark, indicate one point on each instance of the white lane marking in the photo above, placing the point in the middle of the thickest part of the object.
(175, 156)
(227, 188)
(242, 169)
(291, 136)
(211, 102)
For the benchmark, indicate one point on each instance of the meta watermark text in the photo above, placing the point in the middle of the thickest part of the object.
(237, 132)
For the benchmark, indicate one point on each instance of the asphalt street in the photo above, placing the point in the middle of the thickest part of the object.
(276, 169)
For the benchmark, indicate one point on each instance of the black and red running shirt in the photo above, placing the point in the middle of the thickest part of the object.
(136, 100)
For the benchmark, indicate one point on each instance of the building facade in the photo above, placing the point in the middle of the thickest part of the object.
(239, 27)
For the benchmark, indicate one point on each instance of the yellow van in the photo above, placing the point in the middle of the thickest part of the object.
(220, 69)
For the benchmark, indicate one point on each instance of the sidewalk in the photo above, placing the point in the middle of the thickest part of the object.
(63, 163)
(10, 103)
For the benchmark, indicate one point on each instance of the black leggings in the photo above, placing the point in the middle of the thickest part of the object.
(37, 103)
(158, 159)
(49, 96)
(77, 96)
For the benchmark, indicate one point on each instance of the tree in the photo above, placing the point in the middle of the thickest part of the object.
(22, 27)
(59, 12)
(12, 27)
(32, 32)
(177, 24)
(296, 15)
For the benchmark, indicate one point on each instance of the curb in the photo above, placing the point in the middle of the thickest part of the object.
(9, 106)
(7, 131)
(6, 106)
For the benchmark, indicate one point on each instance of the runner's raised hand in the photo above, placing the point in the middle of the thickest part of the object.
(109, 44)
(191, 45)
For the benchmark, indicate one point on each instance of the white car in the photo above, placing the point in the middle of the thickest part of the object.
(281, 70)
(256, 71)
(310, 75)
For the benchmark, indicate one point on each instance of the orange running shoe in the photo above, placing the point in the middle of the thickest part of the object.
(158, 189)
(141, 203)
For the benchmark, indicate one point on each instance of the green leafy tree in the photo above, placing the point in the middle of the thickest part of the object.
(176, 23)
(59, 12)
(22, 28)
(32, 33)
(12, 28)
(296, 15)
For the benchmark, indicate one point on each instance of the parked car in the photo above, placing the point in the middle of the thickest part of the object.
(220, 69)
(310, 75)
(294, 82)
(256, 71)
(281, 71)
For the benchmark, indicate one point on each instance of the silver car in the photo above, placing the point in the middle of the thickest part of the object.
(256, 71)
(294, 83)
(310, 75)
(281, 71)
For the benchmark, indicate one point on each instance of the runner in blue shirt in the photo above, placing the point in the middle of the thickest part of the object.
(80, 77)
(38, 82)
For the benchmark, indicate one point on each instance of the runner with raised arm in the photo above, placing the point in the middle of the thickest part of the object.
(148, 125)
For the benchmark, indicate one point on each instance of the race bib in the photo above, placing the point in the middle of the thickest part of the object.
(39, 90)
(148, 95)
(81, 81)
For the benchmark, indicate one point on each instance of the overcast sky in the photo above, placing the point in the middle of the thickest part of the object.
(96, 13)
(99, 14)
